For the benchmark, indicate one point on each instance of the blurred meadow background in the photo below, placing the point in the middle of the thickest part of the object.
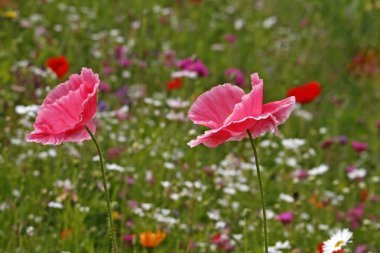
(316, 173)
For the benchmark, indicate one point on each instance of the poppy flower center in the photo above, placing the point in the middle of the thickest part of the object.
(339, 243)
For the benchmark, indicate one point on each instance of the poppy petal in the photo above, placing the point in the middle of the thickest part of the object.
(280, 109)
(251, 103)
(236, 131)
(76, 135)
(213, 107)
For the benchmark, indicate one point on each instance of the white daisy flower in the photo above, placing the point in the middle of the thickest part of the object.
(337, 241)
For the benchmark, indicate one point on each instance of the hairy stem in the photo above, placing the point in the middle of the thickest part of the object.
(261, 190)
(110, 220)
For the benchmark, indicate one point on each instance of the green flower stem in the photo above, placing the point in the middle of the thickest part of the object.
(246, 214)
(110, 220)
(261, 190)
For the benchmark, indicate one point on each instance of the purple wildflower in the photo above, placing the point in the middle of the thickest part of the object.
(359, 146)
(193, 65)
(286, 217)
(236, 75)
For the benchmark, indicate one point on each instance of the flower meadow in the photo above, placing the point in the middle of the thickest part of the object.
(190, 126)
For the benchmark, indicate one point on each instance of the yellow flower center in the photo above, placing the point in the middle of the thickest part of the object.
(10, 14)
(339, 243)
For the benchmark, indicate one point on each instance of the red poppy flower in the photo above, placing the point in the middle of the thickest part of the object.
(59, 65)
(305, 93)
(174, 84)
(216, 238)
(223, 242)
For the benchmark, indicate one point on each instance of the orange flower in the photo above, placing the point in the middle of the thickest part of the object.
(151, 240)
(364, 195)
(65, 233)
(318, 204)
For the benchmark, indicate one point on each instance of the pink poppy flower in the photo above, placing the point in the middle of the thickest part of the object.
(67, 110)
(230, 113)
